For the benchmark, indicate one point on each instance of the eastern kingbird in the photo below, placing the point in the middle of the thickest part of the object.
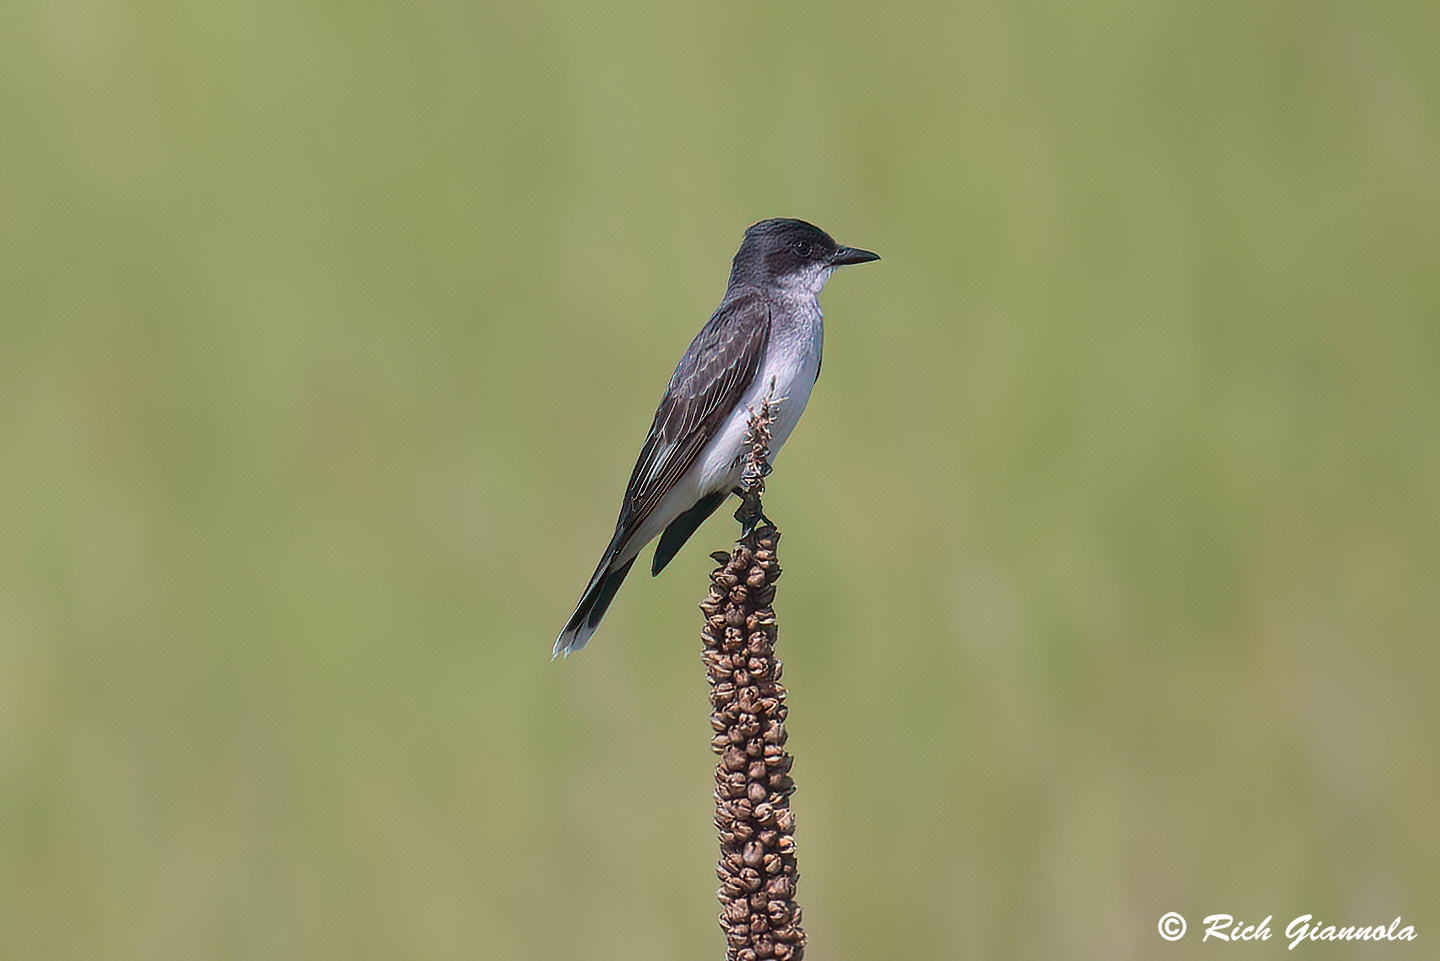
(763, 340)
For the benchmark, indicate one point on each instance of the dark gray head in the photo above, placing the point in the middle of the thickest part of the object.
(791, 253)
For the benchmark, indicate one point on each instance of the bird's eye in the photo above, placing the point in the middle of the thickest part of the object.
(803, 249)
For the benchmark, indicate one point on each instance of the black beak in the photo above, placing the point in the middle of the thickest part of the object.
(852, 255)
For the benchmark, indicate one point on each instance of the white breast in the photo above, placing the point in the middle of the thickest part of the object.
(786, 377)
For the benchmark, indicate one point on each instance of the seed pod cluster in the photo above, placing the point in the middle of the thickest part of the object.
(752, 779)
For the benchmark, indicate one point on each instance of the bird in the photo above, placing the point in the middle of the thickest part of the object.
(763, 342)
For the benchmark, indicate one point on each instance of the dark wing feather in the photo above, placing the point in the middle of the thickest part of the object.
(718, 367)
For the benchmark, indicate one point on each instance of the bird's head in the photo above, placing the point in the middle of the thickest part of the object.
(791, 254)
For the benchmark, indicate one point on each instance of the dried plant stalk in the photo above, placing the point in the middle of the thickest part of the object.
(757, 866)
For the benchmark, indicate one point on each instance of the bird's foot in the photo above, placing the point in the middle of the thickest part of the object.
(751, 515)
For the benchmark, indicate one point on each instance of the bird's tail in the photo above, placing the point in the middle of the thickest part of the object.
(593, 605)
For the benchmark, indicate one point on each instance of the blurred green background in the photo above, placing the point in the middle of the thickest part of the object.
(328, 333)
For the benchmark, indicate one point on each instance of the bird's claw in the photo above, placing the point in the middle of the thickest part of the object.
(751, 517)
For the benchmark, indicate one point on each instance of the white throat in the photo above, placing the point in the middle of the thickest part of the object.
(807, 282)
